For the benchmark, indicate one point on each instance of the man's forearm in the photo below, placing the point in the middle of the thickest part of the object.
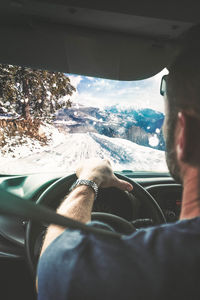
(77, 206)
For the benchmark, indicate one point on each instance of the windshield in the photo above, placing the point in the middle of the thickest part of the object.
(51, 121)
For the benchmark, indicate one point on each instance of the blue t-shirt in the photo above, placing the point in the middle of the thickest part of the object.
(161, 262)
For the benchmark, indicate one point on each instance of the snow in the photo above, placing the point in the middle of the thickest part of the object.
(153, 141)
(65, 151)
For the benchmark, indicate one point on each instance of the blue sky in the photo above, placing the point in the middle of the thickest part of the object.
(100, 92)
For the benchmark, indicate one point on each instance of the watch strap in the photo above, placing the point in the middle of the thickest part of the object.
(89, 183)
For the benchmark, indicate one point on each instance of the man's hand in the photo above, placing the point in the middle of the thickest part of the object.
(100, 171)
(78, 205)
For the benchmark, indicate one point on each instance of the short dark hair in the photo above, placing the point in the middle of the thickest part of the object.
(183, 82)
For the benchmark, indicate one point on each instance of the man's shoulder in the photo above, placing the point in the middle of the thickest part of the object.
(180, 230)
(142, 261)
(176, 235)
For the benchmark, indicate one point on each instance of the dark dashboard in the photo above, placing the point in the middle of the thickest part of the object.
(124, 204)
(168, 196)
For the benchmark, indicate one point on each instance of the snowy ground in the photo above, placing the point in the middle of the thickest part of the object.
(65, 151)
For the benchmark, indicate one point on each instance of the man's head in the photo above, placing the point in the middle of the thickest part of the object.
(182, 105)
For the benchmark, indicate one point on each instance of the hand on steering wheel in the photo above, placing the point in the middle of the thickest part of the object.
(100, 171)
(55, 192)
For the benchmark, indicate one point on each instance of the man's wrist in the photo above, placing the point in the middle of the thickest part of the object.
(91, 177)
(85, 182)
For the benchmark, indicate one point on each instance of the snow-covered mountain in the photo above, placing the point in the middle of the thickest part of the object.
(139, 126)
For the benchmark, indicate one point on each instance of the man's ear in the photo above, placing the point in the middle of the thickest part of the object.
(187, 143)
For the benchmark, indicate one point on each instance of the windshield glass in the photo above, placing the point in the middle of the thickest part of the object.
(50, 121)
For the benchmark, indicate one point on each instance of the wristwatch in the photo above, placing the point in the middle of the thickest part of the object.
(90, 183)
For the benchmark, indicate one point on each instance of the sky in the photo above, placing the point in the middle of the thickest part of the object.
(98, 92)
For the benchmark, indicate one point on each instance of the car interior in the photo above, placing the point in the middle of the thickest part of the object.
(121, 40)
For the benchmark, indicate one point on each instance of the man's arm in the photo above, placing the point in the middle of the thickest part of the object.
(78, 205)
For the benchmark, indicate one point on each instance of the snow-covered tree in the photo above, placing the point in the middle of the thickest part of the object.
(32, 93)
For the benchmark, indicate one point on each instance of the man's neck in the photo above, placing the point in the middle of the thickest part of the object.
(191, 195)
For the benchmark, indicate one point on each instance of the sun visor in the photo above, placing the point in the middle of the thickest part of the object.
(82, 51)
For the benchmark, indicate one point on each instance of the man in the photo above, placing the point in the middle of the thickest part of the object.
(162, 262)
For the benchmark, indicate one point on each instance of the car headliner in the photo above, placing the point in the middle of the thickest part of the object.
(124, 40)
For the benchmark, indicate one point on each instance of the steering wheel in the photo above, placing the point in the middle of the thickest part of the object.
(55, 193)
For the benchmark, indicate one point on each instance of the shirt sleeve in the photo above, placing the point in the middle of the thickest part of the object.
(69, 245)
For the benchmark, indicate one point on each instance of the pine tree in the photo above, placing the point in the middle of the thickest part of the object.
(32, 94)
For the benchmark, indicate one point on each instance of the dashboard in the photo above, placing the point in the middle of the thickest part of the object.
(168, 196)
(126, 205)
